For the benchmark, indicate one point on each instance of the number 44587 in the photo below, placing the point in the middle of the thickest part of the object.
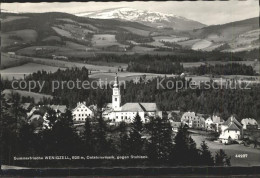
(241, 156)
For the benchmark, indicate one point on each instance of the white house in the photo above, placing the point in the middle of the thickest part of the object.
(82, 112)
(209, 124)
(217, 121)
(193, 120)
(249, 123)
(116, 112)
(42, 110)
(231, 129)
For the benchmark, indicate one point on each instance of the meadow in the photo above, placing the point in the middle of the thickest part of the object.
(19, 72)
(253, 158)
(171, 38)
(103, 40)
(23, 36)
(37, 96)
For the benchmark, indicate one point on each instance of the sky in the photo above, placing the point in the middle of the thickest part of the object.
(209, 12)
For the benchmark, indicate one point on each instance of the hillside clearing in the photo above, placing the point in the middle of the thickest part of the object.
(37, 96)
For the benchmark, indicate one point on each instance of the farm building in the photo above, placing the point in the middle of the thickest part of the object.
(82, 112)
(193, 120)
(11, 54)
(209, 124)
(249, 123)
(231, 129)
(60, 58)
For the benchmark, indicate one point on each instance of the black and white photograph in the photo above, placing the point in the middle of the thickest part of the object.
(130, 84)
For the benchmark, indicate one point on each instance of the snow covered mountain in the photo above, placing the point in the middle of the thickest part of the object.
(154, 19)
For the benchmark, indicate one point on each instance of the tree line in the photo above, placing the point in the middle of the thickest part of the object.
(155, 66)
(223, 69)
(224, 101)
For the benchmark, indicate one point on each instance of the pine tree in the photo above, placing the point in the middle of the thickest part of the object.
(101, 142)
(123, 139)
(193, 153)
(221, 159)
(160, 142)
(136, 142)
(88, 137)
(179, 152)
(205, 156)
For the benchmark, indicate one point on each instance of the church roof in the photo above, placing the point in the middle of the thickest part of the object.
(139, 107)
(227, 122)
(61, 108)
(232, 126)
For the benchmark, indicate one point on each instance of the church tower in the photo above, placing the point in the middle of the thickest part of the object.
(116, 97)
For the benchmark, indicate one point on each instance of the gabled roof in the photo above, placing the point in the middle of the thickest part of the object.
(78, 106)
(139, 107)
(227, 122)
(26, 106)
(232, 126)
(61, 108)
(249, 121)
(133, 107)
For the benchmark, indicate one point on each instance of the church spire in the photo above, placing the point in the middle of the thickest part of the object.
(116, 97)
(116, 81)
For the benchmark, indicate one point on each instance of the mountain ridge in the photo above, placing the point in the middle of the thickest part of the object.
(150, 18)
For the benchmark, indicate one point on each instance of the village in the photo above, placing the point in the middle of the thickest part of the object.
(229, 131)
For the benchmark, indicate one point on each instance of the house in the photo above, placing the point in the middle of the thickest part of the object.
(27, 106)
(213, 123)
(116, 112)
(42, 110)
(58, 108)
(231, 129)
(60, 57)
(36, 120)
(11, 54)
(173, 115)
(175, 125)
(249, 123)
(82, 112)
(217, 121)
(193, 120)
(187, 116)
(209, 124)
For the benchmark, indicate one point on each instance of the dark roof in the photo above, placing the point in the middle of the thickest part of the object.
(139, 107)
(232, 126)
(227, 122)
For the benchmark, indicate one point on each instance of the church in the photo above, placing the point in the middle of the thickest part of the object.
(116, 112)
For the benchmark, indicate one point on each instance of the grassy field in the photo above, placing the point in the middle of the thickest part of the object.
(9, 61)
(171, 39)
(142, 49)
(62, 32)
(188, 43)
(52, 38)
(123, 76)
(11, 18)
(58, 50)
(18, 72)
(137, 31)
(201, 45)
(37, 96)
(67, 64)
(253, 158)
(27, 35)
(76, 46)
(104, 40)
